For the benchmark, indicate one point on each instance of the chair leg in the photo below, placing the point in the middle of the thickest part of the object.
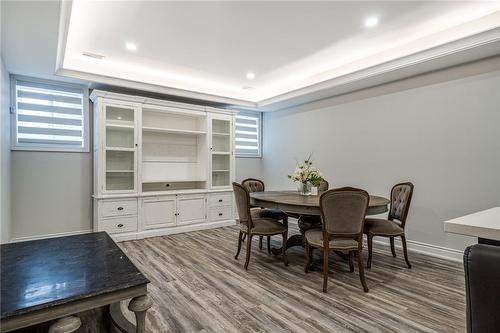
(285, 238)
(240, 239)
(393, 250)
(405, 252)
(268, 244)
(325, 270)
(370, 250)
(244, 236)
(249, 249)
(362, 270)
(351, 265)
(260, 242)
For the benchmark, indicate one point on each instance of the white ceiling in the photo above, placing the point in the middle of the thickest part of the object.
(206, 48)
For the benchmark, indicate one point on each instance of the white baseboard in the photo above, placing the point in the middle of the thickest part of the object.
(425, 248)
(59, 234)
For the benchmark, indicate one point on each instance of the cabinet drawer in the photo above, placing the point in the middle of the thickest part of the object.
(221, 213)
(119, 208)
(220, 199)
(118, 225)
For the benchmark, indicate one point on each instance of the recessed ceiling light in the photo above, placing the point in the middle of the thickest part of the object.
(250, 75)
(371, 22)
(131, 46)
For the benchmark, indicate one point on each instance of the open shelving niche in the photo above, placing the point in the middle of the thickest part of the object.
(174, 147)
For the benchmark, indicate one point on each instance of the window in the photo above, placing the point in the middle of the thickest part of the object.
(48, 115)
(248, 134)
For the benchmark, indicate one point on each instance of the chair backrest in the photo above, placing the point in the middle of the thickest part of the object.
(253, 185)
(400, 202)
(323, 186)
(343, 211)
(242, 198)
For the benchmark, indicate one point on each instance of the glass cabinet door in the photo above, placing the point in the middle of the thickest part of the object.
(221, 152)
(120, 150)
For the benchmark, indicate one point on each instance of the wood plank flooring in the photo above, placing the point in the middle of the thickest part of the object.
(198, 286)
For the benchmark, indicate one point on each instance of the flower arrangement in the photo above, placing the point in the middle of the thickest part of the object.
(306, 175)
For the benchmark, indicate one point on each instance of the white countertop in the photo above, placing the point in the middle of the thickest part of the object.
(483, 224)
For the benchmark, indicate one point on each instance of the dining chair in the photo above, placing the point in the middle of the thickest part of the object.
(252, 225)
(257, 185)
(394, 225)
(343, 213)
(306, 222)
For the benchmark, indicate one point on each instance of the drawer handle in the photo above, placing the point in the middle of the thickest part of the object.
(220, 214)
(120, 225)
(120, 208)
(220, 200)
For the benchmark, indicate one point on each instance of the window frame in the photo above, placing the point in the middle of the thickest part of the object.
(259, 134)
(48, 147)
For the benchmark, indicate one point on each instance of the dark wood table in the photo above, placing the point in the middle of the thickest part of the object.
(295, 203)
(56, 278)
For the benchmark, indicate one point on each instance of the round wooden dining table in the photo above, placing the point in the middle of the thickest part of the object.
(296, 204)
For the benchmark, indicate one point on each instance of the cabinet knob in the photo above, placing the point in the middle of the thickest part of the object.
(120, 208)
(120, 225)
(220, 214)
(220, 200)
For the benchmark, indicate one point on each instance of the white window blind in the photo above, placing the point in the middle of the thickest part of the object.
(248, 134)
(49, 116)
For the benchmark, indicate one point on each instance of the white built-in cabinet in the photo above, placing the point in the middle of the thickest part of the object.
(160, 167)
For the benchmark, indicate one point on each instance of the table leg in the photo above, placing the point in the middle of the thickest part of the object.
(65, 325)
(139, 305)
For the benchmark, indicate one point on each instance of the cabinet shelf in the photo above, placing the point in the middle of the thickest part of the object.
(172, 131)
(221, 153)
(120, 171)
(220, 170)
(174, 181)
(119, 149)
(220, 134)
(120, 126)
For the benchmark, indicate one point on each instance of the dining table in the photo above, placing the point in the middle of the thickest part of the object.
(296, 204)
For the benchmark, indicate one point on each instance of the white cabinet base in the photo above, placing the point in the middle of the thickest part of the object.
(128, 218)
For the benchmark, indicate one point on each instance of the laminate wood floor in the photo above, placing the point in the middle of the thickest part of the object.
(198, 286)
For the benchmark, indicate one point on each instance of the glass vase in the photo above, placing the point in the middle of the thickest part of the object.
(304, 188)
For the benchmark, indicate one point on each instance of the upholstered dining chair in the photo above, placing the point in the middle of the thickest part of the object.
(252, 225)
(257, 185)
(307, 222)
(394, 225)
(343, 213)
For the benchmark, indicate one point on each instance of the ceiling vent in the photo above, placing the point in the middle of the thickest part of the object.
(93, 55)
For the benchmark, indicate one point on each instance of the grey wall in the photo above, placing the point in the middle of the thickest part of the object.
(442, 135)
(51, 193)
(5, 182)
(247, 167)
